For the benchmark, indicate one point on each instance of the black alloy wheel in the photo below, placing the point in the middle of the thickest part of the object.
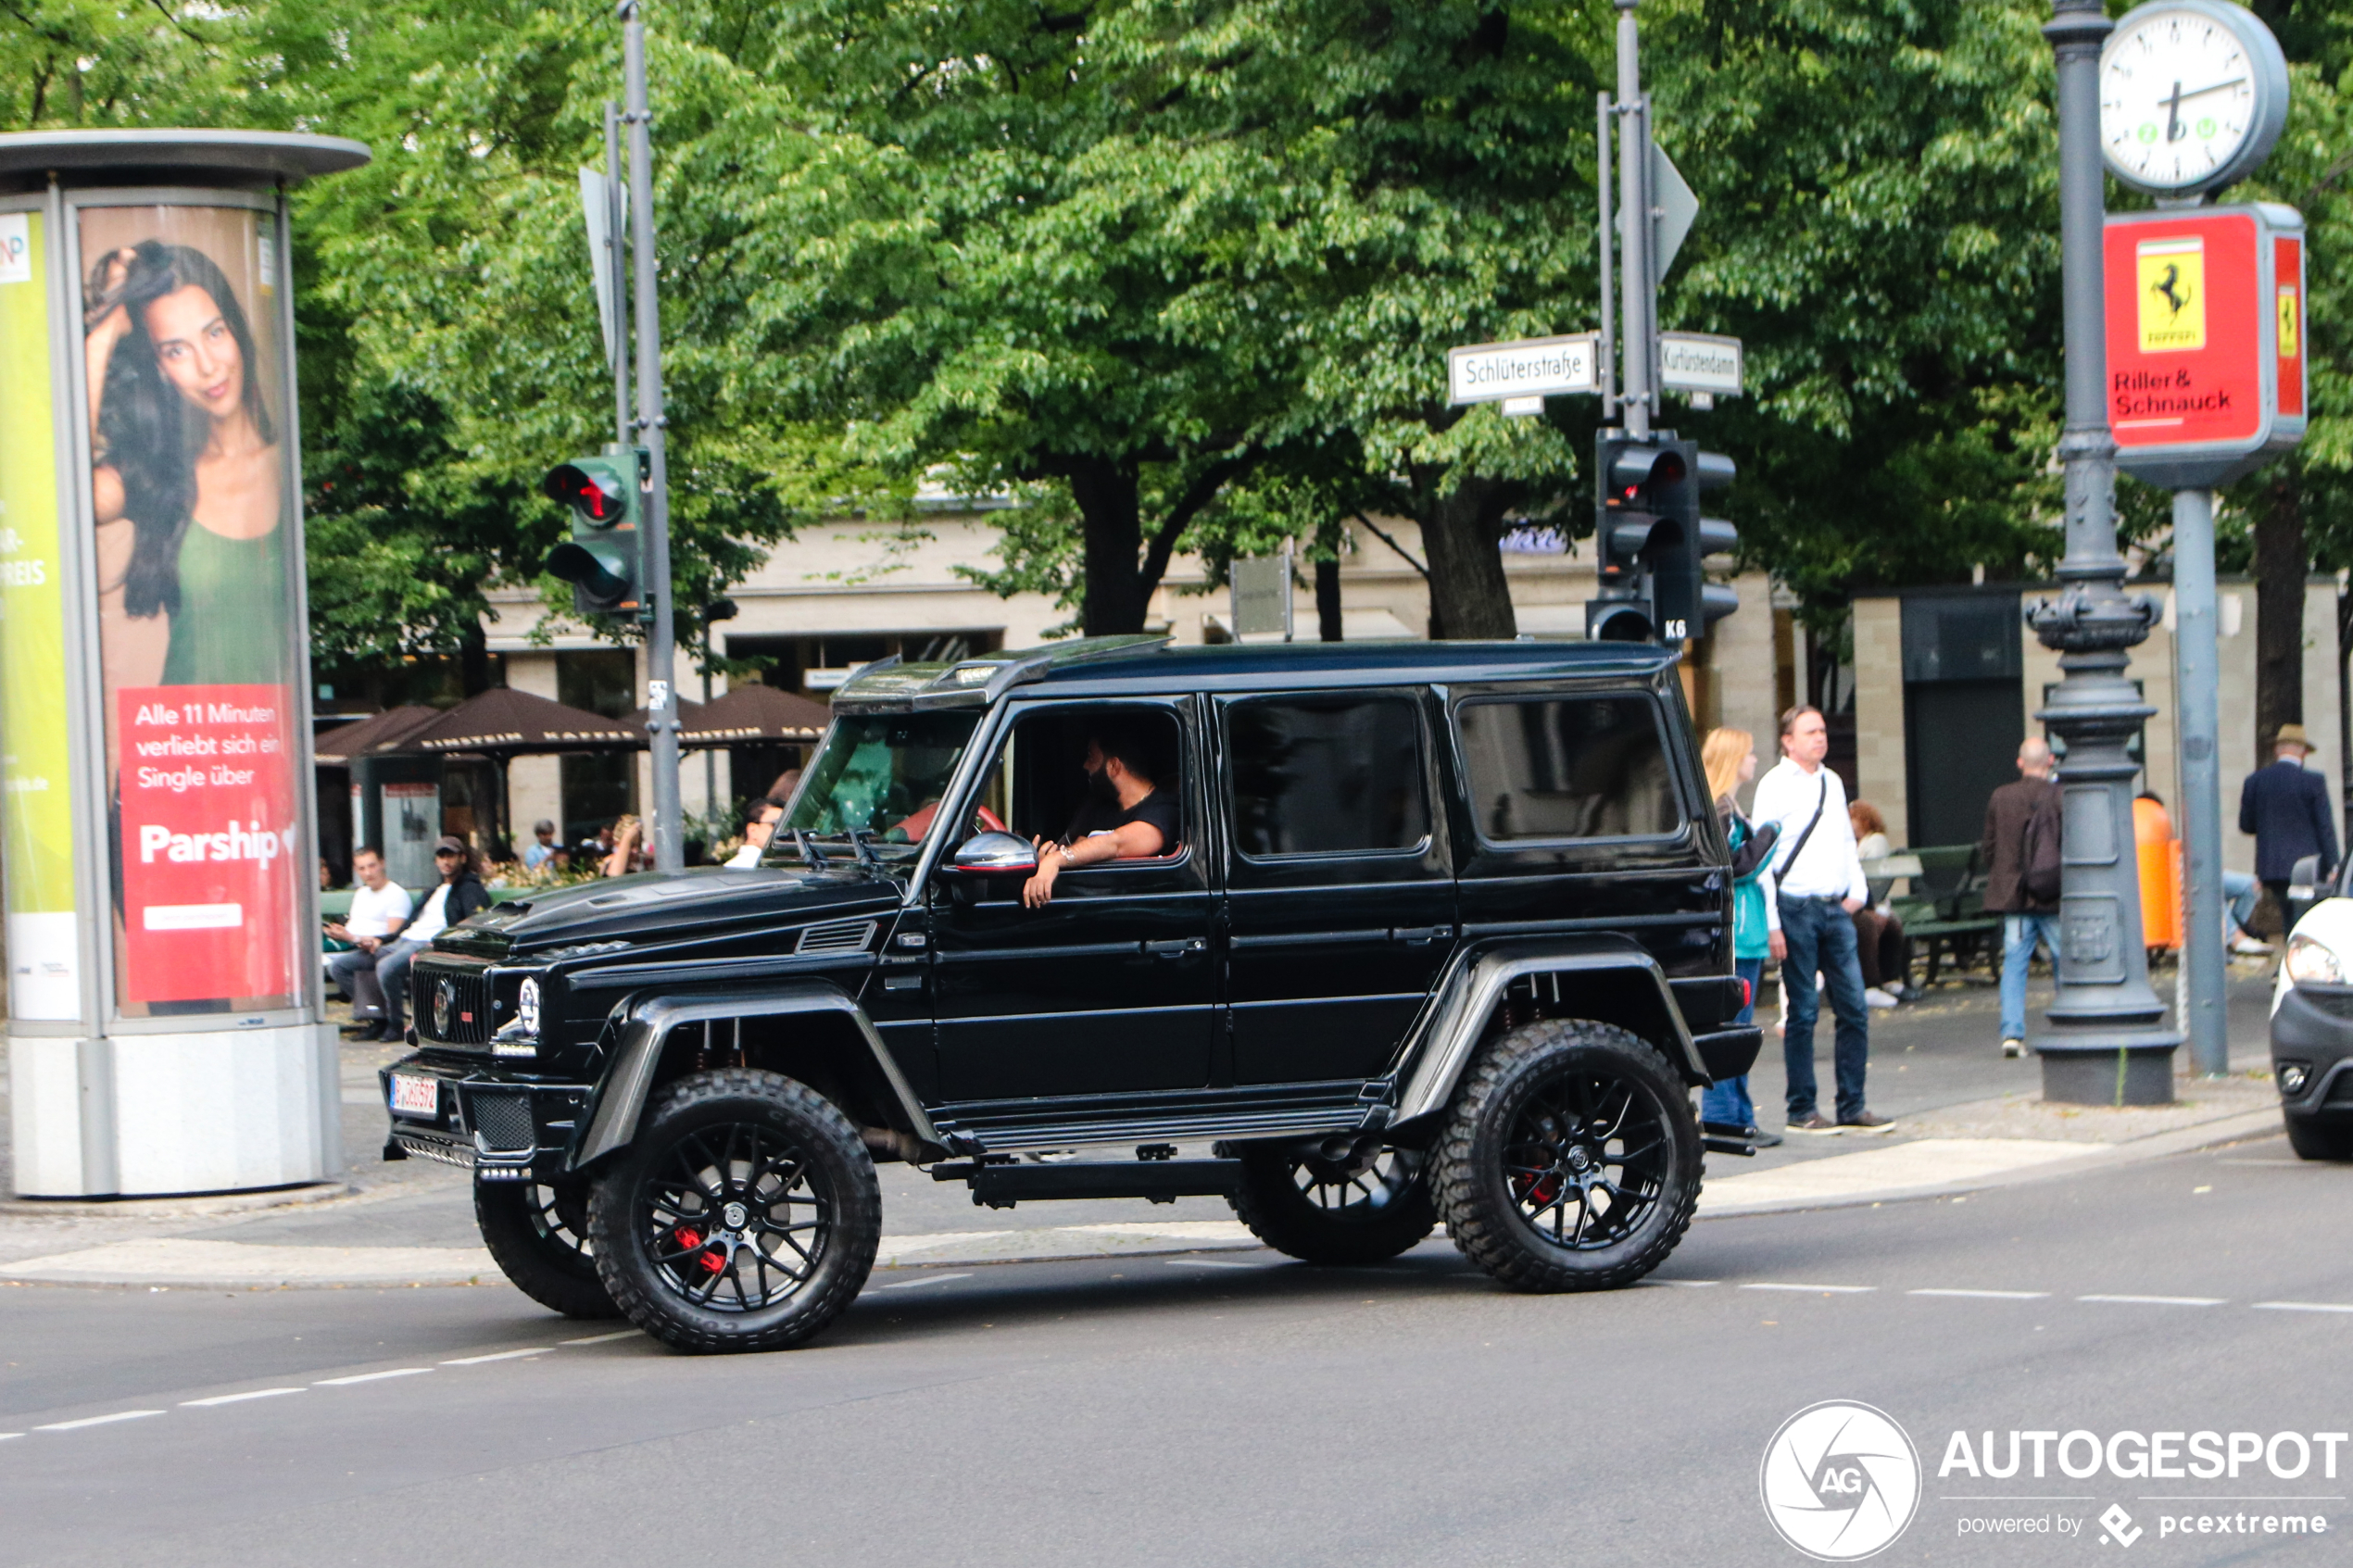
(1358, 1209)
(537, 1233)
(744, 1217)
(1572, 1161)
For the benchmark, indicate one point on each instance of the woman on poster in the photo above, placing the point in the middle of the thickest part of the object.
(184, 449)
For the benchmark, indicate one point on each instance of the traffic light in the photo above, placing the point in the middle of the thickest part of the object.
(1651, 542)
(601, 560)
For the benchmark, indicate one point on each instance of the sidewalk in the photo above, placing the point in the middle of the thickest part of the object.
(1967, 1118)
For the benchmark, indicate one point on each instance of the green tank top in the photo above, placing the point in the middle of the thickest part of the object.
(234, 605)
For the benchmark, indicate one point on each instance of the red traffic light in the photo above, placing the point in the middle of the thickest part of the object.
(593, 489)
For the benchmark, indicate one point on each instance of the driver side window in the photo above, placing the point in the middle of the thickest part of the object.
(1040, 787)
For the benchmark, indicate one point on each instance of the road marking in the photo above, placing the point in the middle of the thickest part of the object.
(238, 1399)
(94, 1421)
(1685, 1284)
(601, 1338)
(499, 1356)
(1986, 1295)
(2302, 1307)
(1205, 1263)
(1825, 1289)
(918, 1283)
(371, 1376)
(2157, 1300)
(6, 1436)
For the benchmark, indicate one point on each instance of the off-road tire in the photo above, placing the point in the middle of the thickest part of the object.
(2315, 1140)
(696, 1125)
(1515, 1084)
(1338, 1216)
(536, 1235)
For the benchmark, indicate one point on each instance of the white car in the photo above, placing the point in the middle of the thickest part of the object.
(2312, 1017)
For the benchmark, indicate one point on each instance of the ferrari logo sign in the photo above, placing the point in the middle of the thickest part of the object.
(2289, 324)
(2172, 274)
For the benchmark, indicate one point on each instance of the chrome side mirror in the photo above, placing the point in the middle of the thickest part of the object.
(995, 854)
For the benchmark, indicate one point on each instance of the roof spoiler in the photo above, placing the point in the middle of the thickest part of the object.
(889, 685)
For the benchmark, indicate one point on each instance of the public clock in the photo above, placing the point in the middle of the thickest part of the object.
(2193, 93)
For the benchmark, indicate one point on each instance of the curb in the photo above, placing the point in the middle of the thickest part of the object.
(169, 1207)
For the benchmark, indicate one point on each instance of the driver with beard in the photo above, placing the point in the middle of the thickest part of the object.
(1127, 815)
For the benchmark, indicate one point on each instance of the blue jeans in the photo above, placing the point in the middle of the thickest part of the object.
(388, 966)
(1728, 1102)
(2240, 893)
(2019, 933)
(1821, 936)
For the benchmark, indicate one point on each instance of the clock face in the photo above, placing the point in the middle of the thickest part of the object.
(2178, 98)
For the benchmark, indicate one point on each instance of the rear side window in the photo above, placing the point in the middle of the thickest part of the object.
(1581, 767)
(1326, 775)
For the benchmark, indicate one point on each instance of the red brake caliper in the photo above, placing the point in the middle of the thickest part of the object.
(689, 1237)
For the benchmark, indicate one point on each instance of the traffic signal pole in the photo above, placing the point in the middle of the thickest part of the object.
(1638, 331)
(661, 703)
(616, 240)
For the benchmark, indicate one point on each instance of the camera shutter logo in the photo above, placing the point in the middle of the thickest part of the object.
(1840, 1481)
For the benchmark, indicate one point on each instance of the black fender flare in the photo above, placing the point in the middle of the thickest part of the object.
(644, 1022)
(1434, 1062)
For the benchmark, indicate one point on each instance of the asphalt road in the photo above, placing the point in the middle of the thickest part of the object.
(1224, 1408)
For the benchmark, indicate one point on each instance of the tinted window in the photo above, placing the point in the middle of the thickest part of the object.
(1326, 775)
(1588, 767)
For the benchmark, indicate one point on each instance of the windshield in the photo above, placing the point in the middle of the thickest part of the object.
(882, 774)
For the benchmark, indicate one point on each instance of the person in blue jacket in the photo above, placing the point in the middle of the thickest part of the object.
(2285, 806)
(1729, 756)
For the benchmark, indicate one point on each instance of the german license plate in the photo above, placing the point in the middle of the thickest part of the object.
(415, 1097)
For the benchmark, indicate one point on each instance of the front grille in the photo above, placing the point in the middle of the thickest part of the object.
(503, 1121)
(453, 1007)
(2335, 1000)
(837, 936)
(2341, 1091)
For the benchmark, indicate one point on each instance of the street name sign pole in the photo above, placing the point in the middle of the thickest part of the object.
(2205, 367)
(2108, 1043)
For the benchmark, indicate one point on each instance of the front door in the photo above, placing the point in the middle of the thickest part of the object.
(1108, 989)
(1340, 899)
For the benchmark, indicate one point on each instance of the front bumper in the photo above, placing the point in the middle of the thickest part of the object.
(500, 1127)
(2312, 1030)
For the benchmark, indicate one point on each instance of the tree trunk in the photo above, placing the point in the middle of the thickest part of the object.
(2280, 566)
(2344, 708)
(1327, 624)
(1112, 601)
(1462, 537)
(473, 659)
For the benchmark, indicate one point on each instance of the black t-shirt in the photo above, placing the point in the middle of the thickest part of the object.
(1109, 816)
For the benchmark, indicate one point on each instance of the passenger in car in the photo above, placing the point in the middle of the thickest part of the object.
(1126, 816)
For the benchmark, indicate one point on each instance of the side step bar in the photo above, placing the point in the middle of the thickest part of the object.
(1162, 1181)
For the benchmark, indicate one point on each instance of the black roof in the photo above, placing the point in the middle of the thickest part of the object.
(1115, 665)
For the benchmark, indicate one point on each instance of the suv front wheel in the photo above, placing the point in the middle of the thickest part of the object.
(1346, 1210)
(743, 1216)
(1572, 1161)
(538, 1235)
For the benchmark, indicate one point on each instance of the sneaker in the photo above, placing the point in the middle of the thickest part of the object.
(1867, 1122)
(1875, 997)
(2013, 1048)
(2248, 946)
(1814, 1122)
(1758, 1137)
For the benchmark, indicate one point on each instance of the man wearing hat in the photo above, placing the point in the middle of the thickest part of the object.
(2285, 806)
(459, 893)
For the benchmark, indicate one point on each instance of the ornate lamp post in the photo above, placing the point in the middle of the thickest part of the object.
(2108, 1043)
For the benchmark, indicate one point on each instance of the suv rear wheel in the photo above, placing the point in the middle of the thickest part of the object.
(1571, 1160)
(538, 1235)
(1345, 1211)
(744, 1217)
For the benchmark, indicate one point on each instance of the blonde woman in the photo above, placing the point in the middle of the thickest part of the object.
(1729, 756)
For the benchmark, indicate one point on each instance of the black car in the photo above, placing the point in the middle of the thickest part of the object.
(1423, 932)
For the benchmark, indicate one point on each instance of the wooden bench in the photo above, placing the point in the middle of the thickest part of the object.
(1945, 914)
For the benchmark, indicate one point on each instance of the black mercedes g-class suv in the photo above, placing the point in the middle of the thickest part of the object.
(1432, 932)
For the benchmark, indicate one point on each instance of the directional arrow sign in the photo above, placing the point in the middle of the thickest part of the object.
(1694, 362)
(1536, 366)
(1673, 207)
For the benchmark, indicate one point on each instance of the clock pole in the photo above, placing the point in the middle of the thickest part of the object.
(2107, 1043)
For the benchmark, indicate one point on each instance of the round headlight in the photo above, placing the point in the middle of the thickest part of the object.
(527, 1006)
(2310, 962)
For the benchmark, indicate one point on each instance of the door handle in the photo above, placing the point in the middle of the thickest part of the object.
(1184, 947)
(1421, 934)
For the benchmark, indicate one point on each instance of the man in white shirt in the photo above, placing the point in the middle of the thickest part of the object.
(756, 832)
(379, 910)
(1818, 885)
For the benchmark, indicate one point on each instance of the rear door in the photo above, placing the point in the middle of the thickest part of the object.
(1339, 894)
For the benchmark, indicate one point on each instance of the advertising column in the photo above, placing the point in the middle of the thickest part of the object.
(166, 1034)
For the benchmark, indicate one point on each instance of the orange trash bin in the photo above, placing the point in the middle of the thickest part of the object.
(2160, 860)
